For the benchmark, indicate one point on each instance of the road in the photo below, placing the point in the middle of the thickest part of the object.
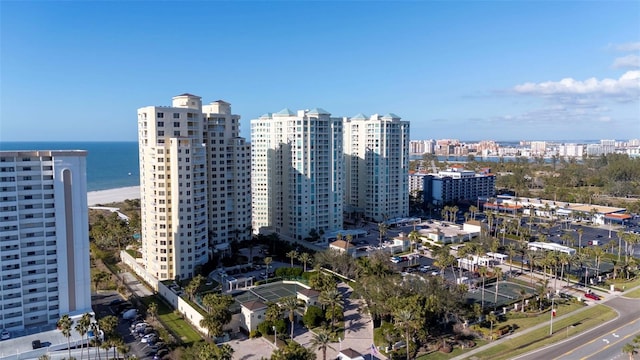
(603, 342)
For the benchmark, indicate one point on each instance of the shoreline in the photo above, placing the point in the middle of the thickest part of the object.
(99, 197)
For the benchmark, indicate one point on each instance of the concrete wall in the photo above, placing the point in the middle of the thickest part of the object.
(139, 269)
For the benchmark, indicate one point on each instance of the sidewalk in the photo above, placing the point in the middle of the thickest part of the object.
(358, 329)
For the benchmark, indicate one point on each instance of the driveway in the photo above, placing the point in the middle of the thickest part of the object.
(359, 329)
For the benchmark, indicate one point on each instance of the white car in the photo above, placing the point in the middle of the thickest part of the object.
(5, 334)
(149, 338)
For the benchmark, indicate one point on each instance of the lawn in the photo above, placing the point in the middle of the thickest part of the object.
(538, 338)
(527, 322)
(173, 322)
(633, 294)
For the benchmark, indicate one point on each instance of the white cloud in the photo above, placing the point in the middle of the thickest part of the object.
(632, 46)
(629, 61)
(626, 88)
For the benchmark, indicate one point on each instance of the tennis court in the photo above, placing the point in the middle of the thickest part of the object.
(268, 292)
(508, 293)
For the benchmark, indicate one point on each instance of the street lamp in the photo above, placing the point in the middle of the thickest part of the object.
(553, 314)
(275, 336)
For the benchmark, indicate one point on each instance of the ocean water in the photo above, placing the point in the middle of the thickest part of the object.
(110, 165)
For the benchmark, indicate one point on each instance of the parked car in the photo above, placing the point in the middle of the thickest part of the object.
(149, 338)
(130, 314)
(36, 344)
(592, 296)
(5, 334)
(395, 259)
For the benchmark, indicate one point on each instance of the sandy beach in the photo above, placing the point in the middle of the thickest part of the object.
(113, 195)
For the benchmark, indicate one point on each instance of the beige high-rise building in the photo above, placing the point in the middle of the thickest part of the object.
(376, 167)
(44, 238)
(297, 173)
(191, 180)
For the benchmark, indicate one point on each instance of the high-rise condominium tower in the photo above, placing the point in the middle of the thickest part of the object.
(44, 237)
(194, 184)
(297, 172)
(376, 166)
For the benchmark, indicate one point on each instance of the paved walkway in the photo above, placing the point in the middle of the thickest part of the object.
(359, 329)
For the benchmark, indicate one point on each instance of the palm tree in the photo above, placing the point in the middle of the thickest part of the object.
(563, 260)
(82, 327)
(332, 299)
(348, 239)
(305, 259)
(597, 253)
(523, 294)
(267, 261)
(483, 273)
(473, 210)
(209, 322)
(95, 341)
(65, 325)
(292, 255)
(629, 349)
(382, 228)
(108, 325)
(192, 288)
(497, 272)
(511, 250)
(580, 232)
(321, 341)
(414, 237)
(153, 310)
(291, 304)
(406, 320)
(491, 318)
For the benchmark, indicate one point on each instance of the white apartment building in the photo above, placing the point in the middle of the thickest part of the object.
(608, 146)
(229, 176)
(297, 173)
(571, 150)
(376, 166)
(421, 146)
(538, 148)
(44, 237)
(190, 178)
(416, 182)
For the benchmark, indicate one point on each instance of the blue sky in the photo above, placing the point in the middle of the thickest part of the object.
(502, 70)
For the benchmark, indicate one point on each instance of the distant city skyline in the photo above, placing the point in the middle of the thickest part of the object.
(494, 70)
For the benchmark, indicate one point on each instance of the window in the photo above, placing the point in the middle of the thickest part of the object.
(160, 123)
(160, 115)
(176, 133)
(176, 116)
(160, 133)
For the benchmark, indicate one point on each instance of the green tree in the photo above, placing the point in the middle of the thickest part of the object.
(293, 351)
(305, 259)
(268, 261)
(292, 255)
(497, 272)
(483, 274)
(98, 278)
(331, 299)
(321, 340)
(82, 327)
(218, 313)
(382, 229)
(194, 285)
(491, 318)
(153, 310)
(405, 319)
(65, 325)
(291, 304)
